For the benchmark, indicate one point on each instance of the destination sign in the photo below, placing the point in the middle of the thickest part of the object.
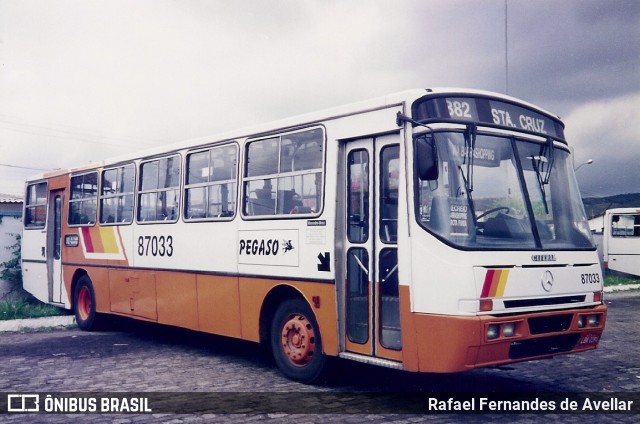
(490, 111)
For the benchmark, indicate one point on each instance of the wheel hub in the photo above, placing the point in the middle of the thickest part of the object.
(84, 303)
(298, 340)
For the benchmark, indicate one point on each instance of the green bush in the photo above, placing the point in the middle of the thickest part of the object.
(10, 270)
(619, 280)
(20, 304)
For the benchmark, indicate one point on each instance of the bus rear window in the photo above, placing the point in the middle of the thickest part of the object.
(35, 210)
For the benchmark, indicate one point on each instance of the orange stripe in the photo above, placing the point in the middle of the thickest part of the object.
(96, 240)
(494, 283)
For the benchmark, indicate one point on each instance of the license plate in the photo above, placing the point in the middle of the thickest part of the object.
(589, 339)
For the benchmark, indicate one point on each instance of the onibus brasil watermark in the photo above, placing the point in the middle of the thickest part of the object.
(318, 402)
(76, 404)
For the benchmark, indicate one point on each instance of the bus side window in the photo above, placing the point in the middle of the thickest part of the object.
(625, 226)
(116, 196)
(210, 188)
(83, 203)
(284, 174)
(159, 194)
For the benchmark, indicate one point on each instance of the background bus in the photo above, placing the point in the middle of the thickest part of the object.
(621, 240)
(429, 230)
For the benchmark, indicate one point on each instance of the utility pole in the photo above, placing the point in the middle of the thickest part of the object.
(506, 49)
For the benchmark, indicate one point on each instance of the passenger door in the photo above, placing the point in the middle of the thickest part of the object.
(54, 246)
(369, 271)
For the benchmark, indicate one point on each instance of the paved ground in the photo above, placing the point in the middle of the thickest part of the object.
(135, 357)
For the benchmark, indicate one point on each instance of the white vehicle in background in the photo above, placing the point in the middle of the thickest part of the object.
(621, 245)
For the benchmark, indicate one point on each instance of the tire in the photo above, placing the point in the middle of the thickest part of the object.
(84, 305)
(296, 343)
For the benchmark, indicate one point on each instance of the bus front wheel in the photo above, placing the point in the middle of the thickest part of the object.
(85, 305)
(296, 343)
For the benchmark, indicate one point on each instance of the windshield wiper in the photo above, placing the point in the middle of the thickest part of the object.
(547, 155)
(467, 159)
(548, 150)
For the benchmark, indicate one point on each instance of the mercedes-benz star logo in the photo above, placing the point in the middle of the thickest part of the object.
(547, 281)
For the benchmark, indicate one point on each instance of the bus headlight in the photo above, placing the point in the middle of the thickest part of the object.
(493, 331)
(509, 329)
(592, 321)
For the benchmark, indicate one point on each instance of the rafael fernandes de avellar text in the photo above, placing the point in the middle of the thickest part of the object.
(484, 404)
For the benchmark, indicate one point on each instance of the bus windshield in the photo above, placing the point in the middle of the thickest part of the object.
(497, 192)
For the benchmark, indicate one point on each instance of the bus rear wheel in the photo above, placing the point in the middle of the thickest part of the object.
(84, 305)
(296, 343)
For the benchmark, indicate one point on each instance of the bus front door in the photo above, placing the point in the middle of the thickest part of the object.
(370, 307)
(54, 247)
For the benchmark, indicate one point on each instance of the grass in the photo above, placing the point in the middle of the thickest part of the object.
(17, 309)
(617, 280)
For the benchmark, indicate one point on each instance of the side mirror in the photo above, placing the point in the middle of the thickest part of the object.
(426, 157)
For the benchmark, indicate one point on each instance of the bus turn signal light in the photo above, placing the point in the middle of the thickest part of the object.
(597, 296)
(486, 305)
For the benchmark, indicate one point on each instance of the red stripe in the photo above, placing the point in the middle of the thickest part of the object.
(86, 235)
(488, 279)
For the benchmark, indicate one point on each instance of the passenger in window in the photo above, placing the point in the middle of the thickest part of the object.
(265, 192)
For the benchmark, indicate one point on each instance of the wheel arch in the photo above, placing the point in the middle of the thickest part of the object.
(274, 298)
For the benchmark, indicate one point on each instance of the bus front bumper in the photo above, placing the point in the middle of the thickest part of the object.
(454, 343)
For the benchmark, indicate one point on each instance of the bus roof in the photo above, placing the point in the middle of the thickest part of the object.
(398, 98)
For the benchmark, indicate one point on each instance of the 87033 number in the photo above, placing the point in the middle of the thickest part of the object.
(592, 278)
(155, 246)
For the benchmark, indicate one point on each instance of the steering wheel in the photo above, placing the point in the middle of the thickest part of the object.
(490, 211)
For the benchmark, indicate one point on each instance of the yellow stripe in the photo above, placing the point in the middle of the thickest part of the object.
(108, 237)
(502, 284)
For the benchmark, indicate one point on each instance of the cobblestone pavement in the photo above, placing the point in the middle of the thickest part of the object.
(139, 357)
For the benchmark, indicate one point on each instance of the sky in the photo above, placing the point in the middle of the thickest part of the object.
(81, 80)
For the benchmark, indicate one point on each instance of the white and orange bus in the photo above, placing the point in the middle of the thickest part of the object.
(430, 230)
